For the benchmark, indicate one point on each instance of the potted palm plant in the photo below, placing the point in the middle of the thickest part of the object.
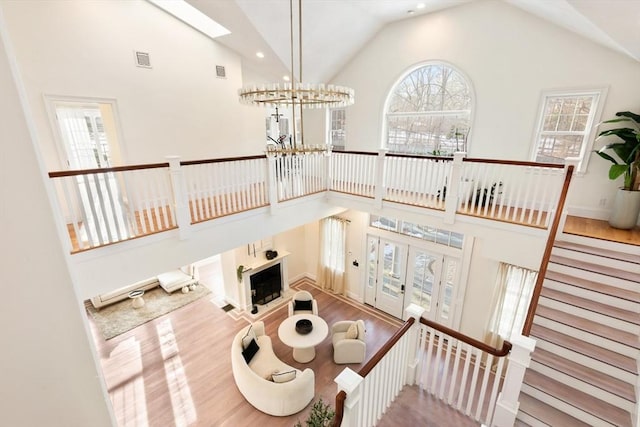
(626, 147)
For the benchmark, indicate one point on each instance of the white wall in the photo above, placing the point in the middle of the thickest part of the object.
(510, 57)
(49, 375)
(86, 49)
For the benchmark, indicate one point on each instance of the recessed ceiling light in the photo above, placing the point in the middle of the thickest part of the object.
(260, 55)
(410, 12)
(421, 6)
(285, 78)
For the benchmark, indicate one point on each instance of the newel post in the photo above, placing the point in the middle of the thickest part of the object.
(379, 179)
(272, 182)
(351, 382)
(452, 189)
(413, 348)
(507, 406)
(183, 217)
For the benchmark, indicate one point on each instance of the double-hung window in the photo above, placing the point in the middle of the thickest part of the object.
(566, 126)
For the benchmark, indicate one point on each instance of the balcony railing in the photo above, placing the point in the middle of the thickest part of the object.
(105, 206)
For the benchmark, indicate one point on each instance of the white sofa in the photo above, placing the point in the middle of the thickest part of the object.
(170, 281)
(252, 379)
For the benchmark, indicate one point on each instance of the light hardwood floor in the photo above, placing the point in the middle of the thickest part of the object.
(176, 369)
(599, 229)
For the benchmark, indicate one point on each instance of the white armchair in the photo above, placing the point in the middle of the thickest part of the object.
(303, 302)
(349, 345)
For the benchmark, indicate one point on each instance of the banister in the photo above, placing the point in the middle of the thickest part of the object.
(498, 352)
(513, 162)
(528, 323)
(364, 153)
(418, 156)
(340, 398)
(76, 172)
(368, 367)
(221, 160)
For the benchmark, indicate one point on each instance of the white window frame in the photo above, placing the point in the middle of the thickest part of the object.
(331, 130)
(385, 112)
(589, 133)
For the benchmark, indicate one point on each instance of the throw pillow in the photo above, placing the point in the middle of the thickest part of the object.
(361, 330)
(283, 377)
(250, 351)
(250, 335)
(352, 332)
(302, 305)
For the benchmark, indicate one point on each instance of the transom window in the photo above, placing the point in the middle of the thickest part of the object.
(565, 125)
(429, 111)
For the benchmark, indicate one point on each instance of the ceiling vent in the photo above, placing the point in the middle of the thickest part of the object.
(221, 72)
(143, 60)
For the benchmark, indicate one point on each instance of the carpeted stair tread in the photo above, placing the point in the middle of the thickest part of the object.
(547, 414)
(593, 286)
(591, 305)
(601, 252)
(596, 268)
(589, 326)
(596, 352)
(586, 374)
(578, 399)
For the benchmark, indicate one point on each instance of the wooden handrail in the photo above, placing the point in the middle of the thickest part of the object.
(513, 162)
(221, 160)
(528, 323)
(498, 352)
(418, 156)
(76, 172)
(364, 371)
(364, 153)
(340, 398)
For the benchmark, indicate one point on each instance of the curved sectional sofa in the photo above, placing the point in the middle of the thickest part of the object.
(256, 379)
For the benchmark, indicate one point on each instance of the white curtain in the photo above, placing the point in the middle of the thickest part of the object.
(331, 266)
(510, 302)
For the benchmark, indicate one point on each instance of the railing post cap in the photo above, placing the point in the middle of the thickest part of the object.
(520, 341)
(348, 380)
(414, 310)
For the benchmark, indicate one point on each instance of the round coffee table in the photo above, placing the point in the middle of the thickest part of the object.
(304, 346)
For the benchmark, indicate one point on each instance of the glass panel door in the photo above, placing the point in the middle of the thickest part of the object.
(392, 262)
(424, 288)
(372, 270)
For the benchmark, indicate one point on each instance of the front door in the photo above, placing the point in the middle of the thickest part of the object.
(392, 262)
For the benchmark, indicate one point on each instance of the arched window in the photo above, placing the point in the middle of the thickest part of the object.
(429, 111)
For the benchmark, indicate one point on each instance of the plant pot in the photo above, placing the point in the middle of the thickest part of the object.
(626, 208)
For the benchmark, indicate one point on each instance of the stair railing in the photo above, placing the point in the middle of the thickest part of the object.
(463, 372)
(553, 231)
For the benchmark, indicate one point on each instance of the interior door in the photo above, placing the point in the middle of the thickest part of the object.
(392, 262)
(423, 288)
(372, 271)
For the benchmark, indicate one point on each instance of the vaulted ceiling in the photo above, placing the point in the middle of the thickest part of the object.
(335, 30)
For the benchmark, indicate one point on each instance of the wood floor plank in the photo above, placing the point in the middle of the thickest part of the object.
(176, 370)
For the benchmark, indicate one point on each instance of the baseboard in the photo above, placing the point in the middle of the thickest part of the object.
(586, 212)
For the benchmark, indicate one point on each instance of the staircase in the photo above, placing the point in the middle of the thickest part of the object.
(584, 370)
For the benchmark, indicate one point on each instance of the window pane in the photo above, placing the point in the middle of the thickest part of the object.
(554, 149)
(564, 127)
(427, 134)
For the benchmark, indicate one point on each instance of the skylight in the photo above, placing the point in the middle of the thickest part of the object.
(192, 17)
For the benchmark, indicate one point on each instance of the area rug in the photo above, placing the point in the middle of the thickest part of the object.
(121, 317)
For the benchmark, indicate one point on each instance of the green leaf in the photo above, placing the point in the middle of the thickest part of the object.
(616, 170)
(633, 116)
(606, 157)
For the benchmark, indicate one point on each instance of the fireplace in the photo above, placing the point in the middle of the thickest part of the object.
(266, 285)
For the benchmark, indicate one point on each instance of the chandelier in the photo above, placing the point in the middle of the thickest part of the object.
(297, 93)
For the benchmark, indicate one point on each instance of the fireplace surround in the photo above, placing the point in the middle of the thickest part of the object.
(260, 282)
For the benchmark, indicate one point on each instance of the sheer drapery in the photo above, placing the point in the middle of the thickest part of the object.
(331, 266)
(510, 302)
